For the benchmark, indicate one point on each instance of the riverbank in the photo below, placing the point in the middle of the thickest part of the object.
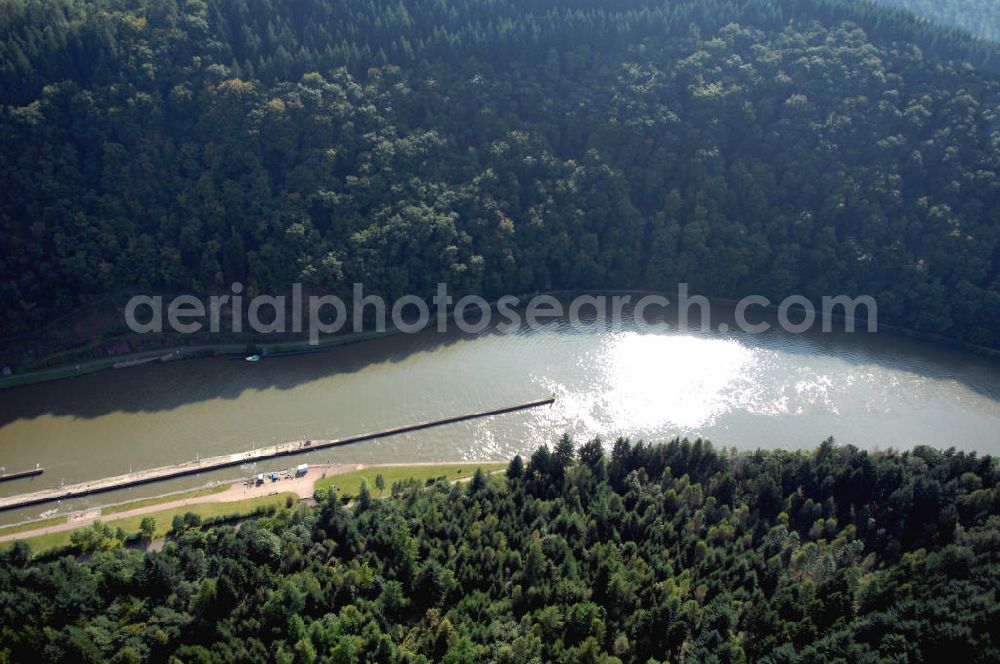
(235, 499)
(129, 360)
(249, 343)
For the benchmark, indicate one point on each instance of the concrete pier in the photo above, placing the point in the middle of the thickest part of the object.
(34, 472)
(239, 458)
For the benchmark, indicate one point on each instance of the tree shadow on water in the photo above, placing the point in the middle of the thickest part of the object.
(158, 386)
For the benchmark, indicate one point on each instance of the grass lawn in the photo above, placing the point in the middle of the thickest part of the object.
(165, 519)
(115, 509)
(350, 483)
(146, 502)
(32, 525)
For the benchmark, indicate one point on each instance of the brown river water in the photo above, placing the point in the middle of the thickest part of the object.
(773, 390)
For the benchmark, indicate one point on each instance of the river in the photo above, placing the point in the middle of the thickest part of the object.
(772, 390)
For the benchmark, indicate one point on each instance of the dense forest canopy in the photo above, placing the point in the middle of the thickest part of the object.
(754, 146)
(980, 17)
(658, 553)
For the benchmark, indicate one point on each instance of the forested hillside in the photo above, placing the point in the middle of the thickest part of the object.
(980, 17)
(657, 553)
(761, 146)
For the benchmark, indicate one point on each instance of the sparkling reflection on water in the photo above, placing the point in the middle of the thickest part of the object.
(747, 391)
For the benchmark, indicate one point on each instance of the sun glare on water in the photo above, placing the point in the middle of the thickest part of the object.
(653, 382)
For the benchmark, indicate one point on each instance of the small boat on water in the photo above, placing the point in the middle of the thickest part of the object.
(252, 358)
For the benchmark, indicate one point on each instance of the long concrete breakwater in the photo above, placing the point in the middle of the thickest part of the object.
(187, 468)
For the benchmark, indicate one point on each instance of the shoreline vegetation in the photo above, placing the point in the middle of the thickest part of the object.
(250, 344)
(53, 533)
(654, 552)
